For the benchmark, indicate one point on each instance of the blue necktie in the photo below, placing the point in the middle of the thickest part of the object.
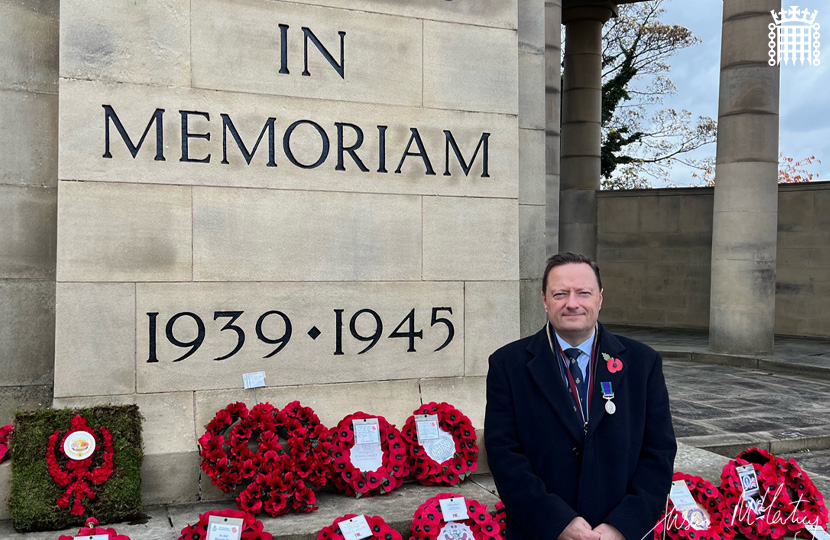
(579, 378)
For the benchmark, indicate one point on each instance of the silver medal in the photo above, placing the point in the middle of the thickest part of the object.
(610, 408)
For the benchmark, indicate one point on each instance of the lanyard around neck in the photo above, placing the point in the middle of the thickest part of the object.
(571, 383)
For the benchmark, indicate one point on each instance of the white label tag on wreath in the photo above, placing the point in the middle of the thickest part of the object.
(751, 492)
(817, 532)
(355, 528)
(441, 449)
(427, 426)
(366, 457)
(224, 528)
(92, 537)
(253, 380)
(366, 431)
(79, 445)
(683, 501)
(454, 509)
(455, 531)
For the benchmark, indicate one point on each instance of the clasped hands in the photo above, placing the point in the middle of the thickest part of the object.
(579, 529)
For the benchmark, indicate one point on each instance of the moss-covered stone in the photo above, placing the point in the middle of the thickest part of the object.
(32, 501)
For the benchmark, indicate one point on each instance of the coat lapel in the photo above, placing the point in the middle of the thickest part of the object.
(545, 372)
(611, 346)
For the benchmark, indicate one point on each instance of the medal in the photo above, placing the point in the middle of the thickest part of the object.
(608, 395)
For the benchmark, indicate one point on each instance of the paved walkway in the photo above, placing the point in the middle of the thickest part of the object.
(720, 403)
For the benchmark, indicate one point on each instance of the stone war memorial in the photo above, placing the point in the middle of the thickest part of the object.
(326, 192)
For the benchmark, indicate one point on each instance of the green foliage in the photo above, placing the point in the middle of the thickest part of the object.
(33, 492)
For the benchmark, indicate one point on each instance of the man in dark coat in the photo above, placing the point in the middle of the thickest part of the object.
(577, 428)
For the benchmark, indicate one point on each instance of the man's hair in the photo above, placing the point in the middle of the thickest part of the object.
(567, 257)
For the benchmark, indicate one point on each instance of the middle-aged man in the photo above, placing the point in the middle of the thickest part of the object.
(578, 430)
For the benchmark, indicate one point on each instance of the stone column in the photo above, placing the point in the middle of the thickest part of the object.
(553, 109)
(742, 305)
(581, 108)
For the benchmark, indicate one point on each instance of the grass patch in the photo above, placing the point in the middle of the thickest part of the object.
(32, 501)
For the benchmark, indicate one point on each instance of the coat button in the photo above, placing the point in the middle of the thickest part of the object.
(576, 451)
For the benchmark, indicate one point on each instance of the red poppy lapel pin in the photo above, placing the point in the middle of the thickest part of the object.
(613, 364)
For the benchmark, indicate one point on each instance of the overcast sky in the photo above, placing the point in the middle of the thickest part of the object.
(805, 105)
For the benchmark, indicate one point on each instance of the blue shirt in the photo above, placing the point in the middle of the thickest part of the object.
(584, 360)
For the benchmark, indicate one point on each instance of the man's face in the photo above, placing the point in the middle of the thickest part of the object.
(572, 301)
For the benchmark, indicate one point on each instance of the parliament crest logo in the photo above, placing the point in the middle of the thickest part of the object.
(794, 36)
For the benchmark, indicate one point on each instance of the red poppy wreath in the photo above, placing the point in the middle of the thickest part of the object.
(450, 454)
(252, 528)
(380, 530)
(5, 431)
(275, 456)
(790, 499)
(79, 465)
(361, 468)
(429, 524)
(707, 523)
(92, 529)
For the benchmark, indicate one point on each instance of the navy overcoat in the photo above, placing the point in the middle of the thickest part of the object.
(548, 470)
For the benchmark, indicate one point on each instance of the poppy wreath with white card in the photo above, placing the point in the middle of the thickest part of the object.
(704, 521)
(428, 523)
(781, 485)
(376, 526)
(389, 460)
(450, 454)
(92, 529)
(252, 528)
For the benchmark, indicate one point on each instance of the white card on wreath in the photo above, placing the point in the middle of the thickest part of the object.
(366, 457)
(751, 491)
(355, 528)
(366, 431)
(455, 531)
(224, 528)
(427, 427)
(253, 380)
(680, 495)
(92, 537)
(441, 449)
(454, 509)
(817, 532)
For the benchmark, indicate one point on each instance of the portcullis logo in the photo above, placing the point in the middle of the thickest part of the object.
(794, 36)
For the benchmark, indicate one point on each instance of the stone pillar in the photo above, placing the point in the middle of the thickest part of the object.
(28, 203)
(532, 125)
(581, 109)
(553, 110)
(742, 307)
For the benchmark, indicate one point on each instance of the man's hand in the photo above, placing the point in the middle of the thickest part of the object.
(579, 529)
(608, 532)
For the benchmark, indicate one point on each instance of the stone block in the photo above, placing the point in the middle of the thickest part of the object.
(170, 470)
(552, 152)
(743, 283)
(29, 41)
(496, 13)
(470, 239)
(373, 48)
(27, 241)
(744, 38)
(94, 334)
(744, 138)
(27, 327)
(479, 75)
(394, 400)
(618, 215)
(581, 105)
(23, 398)
(553, 110)
(746, 236)
(660, 215)
(531, 91)
(746, 187)
(699, 462)
(532, 312)
(304, 356)
(696, 213)
(532, 26)
(531, 241)
(124, 232)
(313, 137)
(580, 138)
(145, 42)
(751, 87)
(30, 150)
(578, 237)
(492, 321)
(467, 394)
(251, 234)
(552, 214)
(740, 8)
(578, 206)
(796, 211)
(741, 330)
(822, 209)
(687, 319)
(579, 172)
(582, 74)
(531, 166)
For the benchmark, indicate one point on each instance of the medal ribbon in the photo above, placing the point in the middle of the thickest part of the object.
(572, 384)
